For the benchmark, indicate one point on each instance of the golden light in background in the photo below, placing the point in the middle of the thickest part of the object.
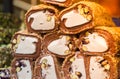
(112, 6)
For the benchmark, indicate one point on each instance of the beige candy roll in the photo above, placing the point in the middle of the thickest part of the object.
(100, 40)
(25, 44)
(42, 19)
(47, 67)
(22, 68)
(82, 16)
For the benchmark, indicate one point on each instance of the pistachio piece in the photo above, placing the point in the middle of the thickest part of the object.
(107, 67)
(67, 52)
(78, 74)
(86, 10)
(84, 48)
(81, 11)
(18, 69)
(18, 40)
(15, 47)
(68, 38)
(87, 33)
(14, 41)
(49, 18)
(89, 17)
(105, 62)
(72, 59)
(44, 61)
(43, 65)
(70, 46)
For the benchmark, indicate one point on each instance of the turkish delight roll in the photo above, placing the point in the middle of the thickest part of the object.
(74, 67)
(22, 68)
(26, 44)
(81, 66)
(41, 19)
(82, 16)
(46, 67)
(58, 44)
(103, 67)
(100, 40)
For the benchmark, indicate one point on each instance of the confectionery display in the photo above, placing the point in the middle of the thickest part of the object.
(26, 44)
(66, 39)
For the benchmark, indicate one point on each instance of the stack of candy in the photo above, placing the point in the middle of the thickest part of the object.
(67, 39)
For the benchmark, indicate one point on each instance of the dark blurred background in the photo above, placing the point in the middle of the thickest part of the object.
(17, 7)
(11, 20)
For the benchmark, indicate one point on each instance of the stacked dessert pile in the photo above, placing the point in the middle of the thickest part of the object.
(66, 40)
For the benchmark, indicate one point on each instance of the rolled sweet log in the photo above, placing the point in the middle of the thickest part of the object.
(91, 67)
(41, 19)
(58, 44)
(104, 67)
(100, 40)
(82, 16)
(46, 67)
(74, 67)
(25, 44)
(22, 68)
